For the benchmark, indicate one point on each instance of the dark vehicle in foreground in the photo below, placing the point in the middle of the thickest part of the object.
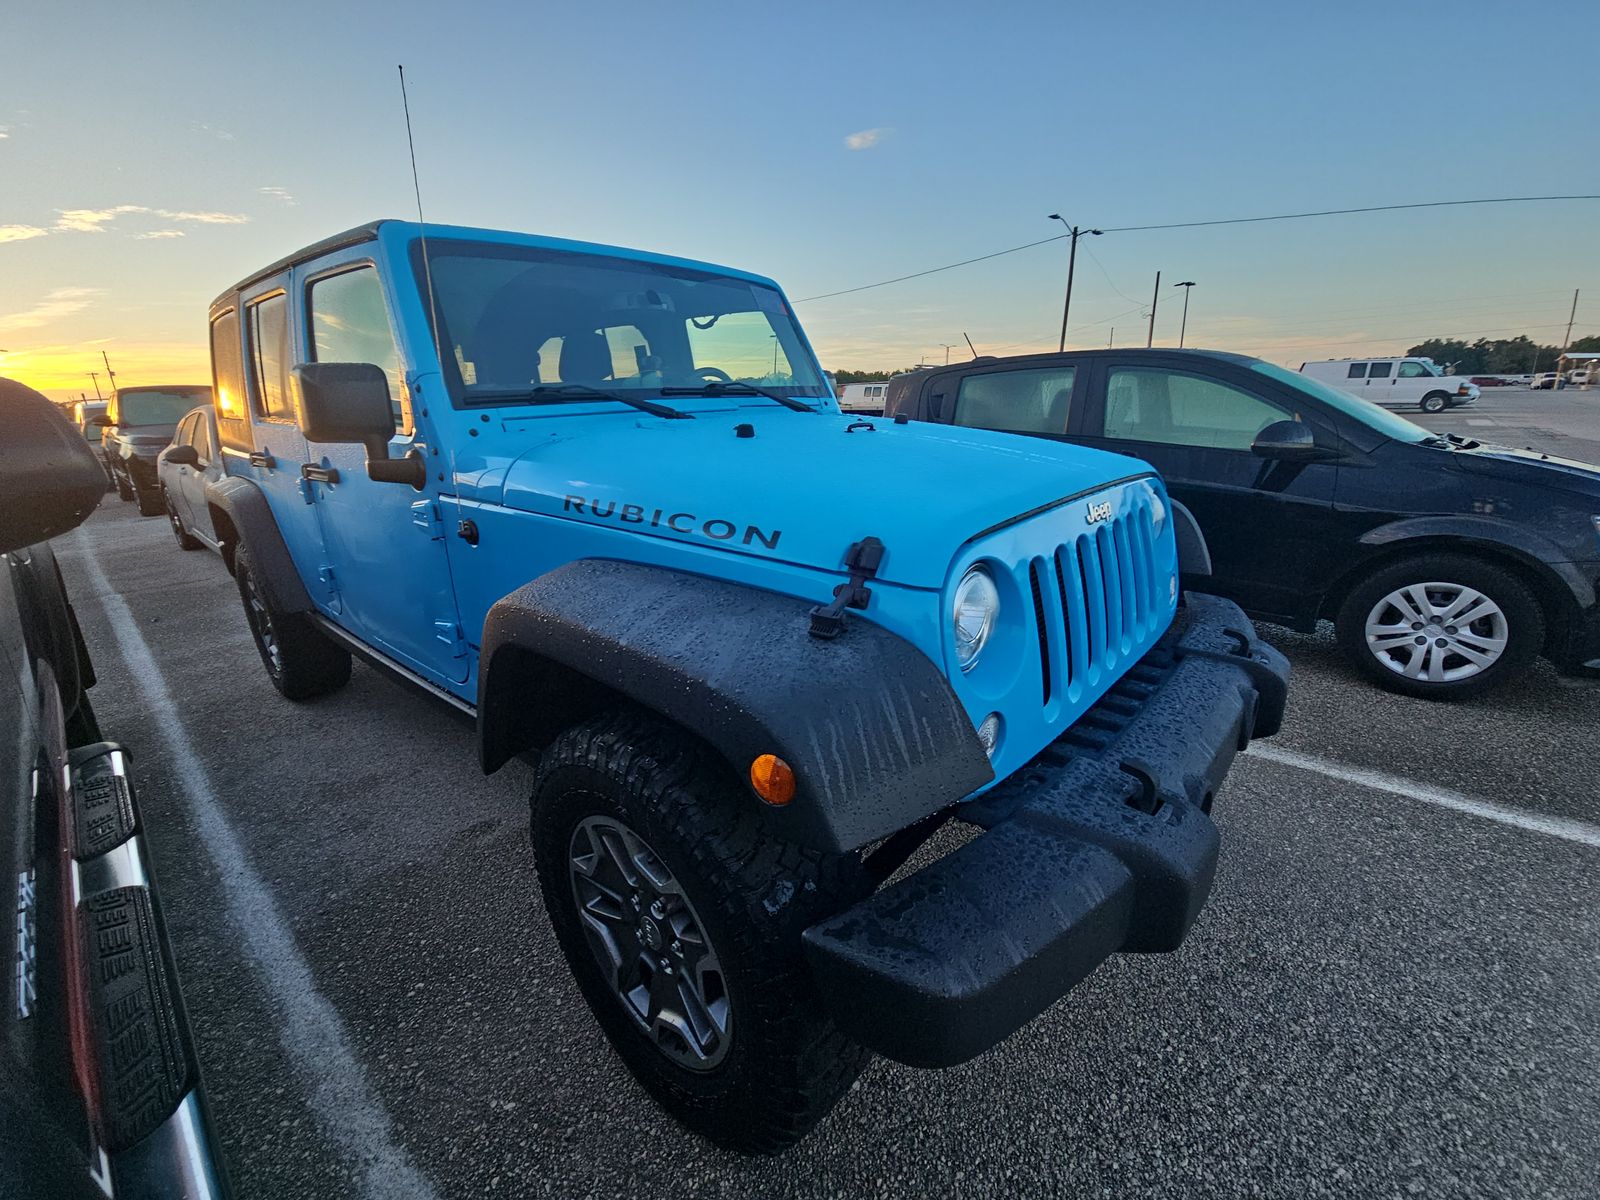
(618, 520)
(99, 1085)
(1446, 563)
(184, 469)
(139, 424)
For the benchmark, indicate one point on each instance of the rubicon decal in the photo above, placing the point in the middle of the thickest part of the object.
(717, 529)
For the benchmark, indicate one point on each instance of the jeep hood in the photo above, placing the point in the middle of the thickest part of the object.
(796, 486)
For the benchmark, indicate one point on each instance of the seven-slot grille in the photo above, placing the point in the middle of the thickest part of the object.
(1095, 600)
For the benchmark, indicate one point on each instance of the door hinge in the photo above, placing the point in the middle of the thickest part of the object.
(307, 492)
(425, 515)
(862, 561)
(449, 632)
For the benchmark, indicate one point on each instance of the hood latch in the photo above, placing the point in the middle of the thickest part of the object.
(862, 561)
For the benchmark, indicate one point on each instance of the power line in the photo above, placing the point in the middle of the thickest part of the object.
(1327, 212)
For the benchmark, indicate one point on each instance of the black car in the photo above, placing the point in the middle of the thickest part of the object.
(139, 424)
(99, 1087)
(1445, 563)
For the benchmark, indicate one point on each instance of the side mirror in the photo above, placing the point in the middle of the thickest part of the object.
(1287, 441)
(98, 419)
(50, 480)
(183, 455)
(349, 402)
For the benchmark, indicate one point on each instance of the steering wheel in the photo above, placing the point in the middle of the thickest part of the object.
(716, 374)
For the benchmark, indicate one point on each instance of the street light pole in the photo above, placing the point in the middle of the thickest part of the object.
(95, 375)
(1072, 262)
(1150, 337)
(948, 346)
(1184, 327)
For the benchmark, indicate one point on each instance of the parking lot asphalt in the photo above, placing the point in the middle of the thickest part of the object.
(1390, 993)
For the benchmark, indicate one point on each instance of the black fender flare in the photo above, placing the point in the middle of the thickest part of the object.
(1194, 556)
(1533, 551)
(875, 735)
(245, 506)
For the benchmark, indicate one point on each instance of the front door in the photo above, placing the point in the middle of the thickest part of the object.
(192, 480)
(1264, 521)
(384, 541)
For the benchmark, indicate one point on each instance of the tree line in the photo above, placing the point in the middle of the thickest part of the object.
(1520, 355)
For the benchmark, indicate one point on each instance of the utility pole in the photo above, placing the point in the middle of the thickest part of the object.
(970, 346)
(1072, 262)
(1111, 337)
(95, 375)
(1566, 340)
(1184, 328)
(111, 376)
(1150, 338)
(948, 346)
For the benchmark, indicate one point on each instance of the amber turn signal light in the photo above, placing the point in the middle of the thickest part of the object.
(772, 778)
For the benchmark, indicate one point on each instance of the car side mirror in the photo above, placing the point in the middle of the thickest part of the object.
(183, 455)
(1287, 441)
(50, 480)
(349, 402)
(98, 419)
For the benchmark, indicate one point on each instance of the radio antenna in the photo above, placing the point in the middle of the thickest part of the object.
(422, 229)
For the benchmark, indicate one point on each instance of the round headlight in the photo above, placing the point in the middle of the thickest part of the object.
(976, 609)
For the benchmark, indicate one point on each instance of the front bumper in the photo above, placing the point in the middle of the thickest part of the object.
(1101, 844)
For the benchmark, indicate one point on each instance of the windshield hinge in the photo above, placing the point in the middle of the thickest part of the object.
(862, 561)
(449, 632)
(425, 515)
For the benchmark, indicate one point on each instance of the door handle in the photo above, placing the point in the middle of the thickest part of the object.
(320, 474)
(258, 459)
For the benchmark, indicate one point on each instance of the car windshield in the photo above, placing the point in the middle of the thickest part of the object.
(1381, 419)
(158, 406)
(515, 318)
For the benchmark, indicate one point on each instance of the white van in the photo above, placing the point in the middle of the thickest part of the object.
(863, 397)
(1395, 382)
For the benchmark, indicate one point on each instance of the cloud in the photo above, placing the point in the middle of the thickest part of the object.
(92, 220)
(20, 233)
(153, 234)
(203, 218)
(866, 139)
(63, 302)
(279, 194)
(5, 132)
(215, 131)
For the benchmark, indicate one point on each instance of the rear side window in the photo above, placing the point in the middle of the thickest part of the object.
(269, 357)
(1016, 401)
(1357, 371)
(350, 324)
(1380, 370)
(227, 381)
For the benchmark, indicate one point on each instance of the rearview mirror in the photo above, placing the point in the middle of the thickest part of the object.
(1287, 441)
(183, 455)
(349, 402)
(49, 478)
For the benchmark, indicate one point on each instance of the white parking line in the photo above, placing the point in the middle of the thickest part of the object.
(1562, 827)
(1479, 421)
(312, 1034)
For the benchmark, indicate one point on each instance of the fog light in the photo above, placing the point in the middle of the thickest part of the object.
(989, 733)
(773, 779)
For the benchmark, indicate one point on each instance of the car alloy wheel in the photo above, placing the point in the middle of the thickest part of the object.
(261, 622)
(650, 943)
(1437, 632)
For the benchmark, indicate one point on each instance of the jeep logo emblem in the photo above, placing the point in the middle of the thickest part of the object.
(1097, 513)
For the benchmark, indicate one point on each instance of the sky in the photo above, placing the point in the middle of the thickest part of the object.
(152, 154)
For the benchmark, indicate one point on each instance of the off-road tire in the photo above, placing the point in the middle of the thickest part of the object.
(1434, 402)
(186, 540)
(306, 664)
(787, 1064)
(151, 503)
(124, 488)
(1524, 618)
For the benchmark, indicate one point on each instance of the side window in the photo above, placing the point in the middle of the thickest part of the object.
(200, 438)
(227, 379)
(630, 356)
(743, 346)
(1016, 401)
(1380, 370)
(268, 322)
(1357, 371)
(1412, 370)
(1184, 410)
(350, 323)
(184, 433)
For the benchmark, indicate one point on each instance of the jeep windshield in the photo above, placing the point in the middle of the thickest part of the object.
(158, 406)
(518, 322)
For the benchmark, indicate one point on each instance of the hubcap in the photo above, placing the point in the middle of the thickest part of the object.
(1437, 632)
(650, 944)
(261, 623)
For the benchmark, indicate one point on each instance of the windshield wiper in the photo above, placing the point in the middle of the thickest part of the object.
(739, 388)
(583, 389)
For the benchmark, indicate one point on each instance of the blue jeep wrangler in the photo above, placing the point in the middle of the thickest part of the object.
(757, 650)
